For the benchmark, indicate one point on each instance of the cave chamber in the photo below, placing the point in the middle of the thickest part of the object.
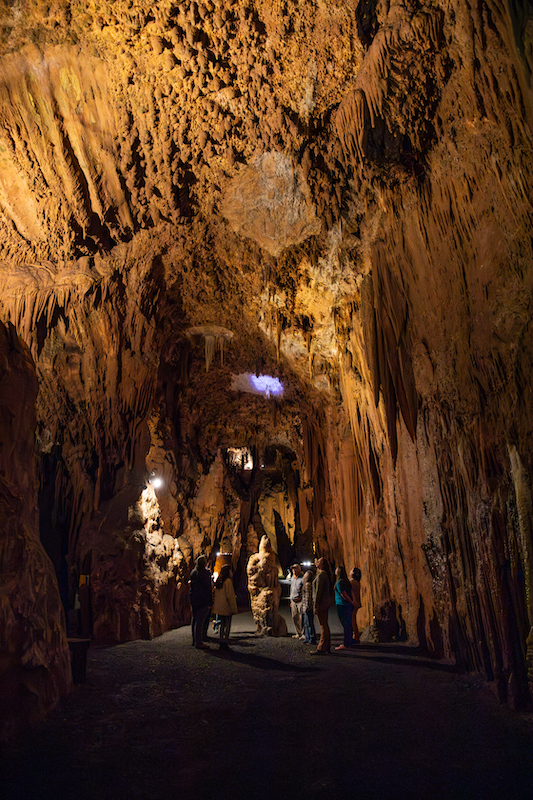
(265, 270)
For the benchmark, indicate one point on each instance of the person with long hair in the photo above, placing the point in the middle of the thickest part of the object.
(322, 600)
(225, 604)
(307, 606)
(355, 582)
(345, 604)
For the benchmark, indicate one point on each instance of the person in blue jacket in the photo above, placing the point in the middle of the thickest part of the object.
(344, 604)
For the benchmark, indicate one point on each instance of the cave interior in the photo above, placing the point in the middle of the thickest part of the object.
(265, 268)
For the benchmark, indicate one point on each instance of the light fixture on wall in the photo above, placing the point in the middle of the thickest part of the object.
(155, 481)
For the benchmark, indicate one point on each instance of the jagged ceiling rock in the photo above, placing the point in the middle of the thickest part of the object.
(270, 203)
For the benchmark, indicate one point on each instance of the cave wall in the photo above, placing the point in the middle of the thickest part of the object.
(34, 656)
(344, 187)
(446, 330)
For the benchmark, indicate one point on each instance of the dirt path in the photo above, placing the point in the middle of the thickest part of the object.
(160, 719)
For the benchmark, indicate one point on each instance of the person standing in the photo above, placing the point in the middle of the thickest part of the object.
(307, 607)
(322, 599)
(344, 604)
(201, 594)
(225, 604)
(295, 598)
(355, 583)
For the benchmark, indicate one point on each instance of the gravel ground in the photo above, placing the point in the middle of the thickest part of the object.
(159, 719)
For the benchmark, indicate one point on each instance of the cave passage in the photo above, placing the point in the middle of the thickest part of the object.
(266, 270)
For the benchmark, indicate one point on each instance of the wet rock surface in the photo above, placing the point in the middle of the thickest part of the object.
(265, 719)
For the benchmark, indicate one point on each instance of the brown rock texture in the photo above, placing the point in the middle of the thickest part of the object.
(344, 189)
(34, 657)
(265, 591)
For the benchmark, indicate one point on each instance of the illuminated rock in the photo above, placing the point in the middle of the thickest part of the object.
(346, 189)
(34, 656)
(265, 591)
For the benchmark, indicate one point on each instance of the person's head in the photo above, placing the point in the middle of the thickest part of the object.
(355, 574)
(323, 564)
(223, 575)
(201, 561)
(340, 572)
(309, 575)
(296, 570)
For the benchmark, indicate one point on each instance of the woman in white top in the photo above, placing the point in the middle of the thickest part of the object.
(225, 604)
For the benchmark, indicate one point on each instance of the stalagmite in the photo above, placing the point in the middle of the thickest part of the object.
(265, 591)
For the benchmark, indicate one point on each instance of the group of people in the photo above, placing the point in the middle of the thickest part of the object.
(313, 592)
(208, 598)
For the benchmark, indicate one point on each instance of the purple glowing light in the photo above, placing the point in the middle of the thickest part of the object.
(257, 384)
(267, 385)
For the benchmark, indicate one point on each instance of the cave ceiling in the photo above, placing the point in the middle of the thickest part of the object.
(235, 163)
(189, 153)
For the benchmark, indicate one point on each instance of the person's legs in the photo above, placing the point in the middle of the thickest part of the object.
(206, 624)
(342, 620)
(324, 644)
(344, 613)
(355, 628)
(309, 627)
(296, 614)
(347, 624)
(225, 628)
(200, 617)
(299, 620)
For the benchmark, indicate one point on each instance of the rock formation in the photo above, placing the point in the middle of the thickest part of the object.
(265, 591)
(334, 194)
(34, 657)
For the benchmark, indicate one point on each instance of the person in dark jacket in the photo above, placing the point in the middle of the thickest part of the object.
(201, 594)
(322, 600)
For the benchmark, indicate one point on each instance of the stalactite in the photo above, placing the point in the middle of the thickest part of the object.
(279, 328)
(214, 337)
(210, 343)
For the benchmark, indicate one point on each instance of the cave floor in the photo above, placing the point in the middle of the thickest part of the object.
(157, 719)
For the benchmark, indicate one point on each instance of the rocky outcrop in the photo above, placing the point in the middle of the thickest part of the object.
(34, 656)
(265, 591)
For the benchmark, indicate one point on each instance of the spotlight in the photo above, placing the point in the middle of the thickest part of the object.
(157, 483)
